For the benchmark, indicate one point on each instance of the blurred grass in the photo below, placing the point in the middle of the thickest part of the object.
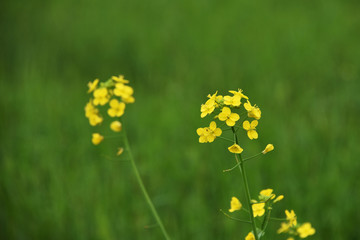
(299, 61)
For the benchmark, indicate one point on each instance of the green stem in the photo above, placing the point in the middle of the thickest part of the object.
(143, 189)
(246, 185)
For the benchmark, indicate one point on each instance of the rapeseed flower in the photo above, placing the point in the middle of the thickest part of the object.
(284, 227)
(228, 117)
(119, 79)
(95, 119)
(268, 148)
(125, 92)
(239, 93)
(116, 126)
(97, 138)
(305, 230)
(101, 96)
(92, 85)
(291, 217)
(233, 101)
(251, 129)
(250, 236)
(235, 148)
(258, 209)
(116, 108)
(235, 204)
(208, 134)
(253, 111)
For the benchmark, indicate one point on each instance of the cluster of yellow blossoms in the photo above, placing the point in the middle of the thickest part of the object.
(225, 107)
(265, 202)
(117, 94)
(292, 228)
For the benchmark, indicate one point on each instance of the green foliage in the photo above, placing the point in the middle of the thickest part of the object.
(298, 60)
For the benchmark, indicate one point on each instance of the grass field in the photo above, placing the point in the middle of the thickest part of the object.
(299, 61)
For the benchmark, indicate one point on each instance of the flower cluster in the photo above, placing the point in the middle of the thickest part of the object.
(266, 199)
(228, 109)
(116, 93)
(292, 228)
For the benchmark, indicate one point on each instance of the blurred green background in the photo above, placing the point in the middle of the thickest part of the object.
(298, 60)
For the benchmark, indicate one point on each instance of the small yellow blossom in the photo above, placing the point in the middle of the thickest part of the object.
(235, 149)
(92, 85)
(251, 129)
(120, 151)
(95, 119)
(290, 238)
(258, 209)
(283, 228)
(253, 111)
(119, 79)
(250, 236)
(266, 192)
(96, 138)
(203, 134)
(209, 105)
(208, 134)
(235, 204)
(239, 93)
(232, 100)
(291, 217)
(116, 108)
(229, 117)
(268, 148)
(101, 96)
(279, 198)
(116, 126)
(305, 230)
(125, 92)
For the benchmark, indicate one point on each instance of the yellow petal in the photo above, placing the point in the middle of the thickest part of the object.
(212, 126)
(246, 125)
(254, 124)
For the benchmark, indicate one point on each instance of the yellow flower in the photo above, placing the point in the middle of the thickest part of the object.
(266, 192)
(253, 111)
(291, 217)
(229, 117)
(92, 114)
(95, 119)
(92, 85)
(125, 92)
(116, 126)
(290, 238)
(258, 209)
(119, 79)
(305, 230)
(239, 93)
(250, 236)
(251, 129)
(120, 151)
(235, 149)
(235, 204)
(268, 148)
(96, 138)
(208, 134)
(279, 198)
(203, 134)
(232, 100)
(101, 96)
(207, 108)
(116, 108)
(284, 227)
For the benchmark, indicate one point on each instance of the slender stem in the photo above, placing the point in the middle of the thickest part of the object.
(266, 220)
(143, 189)
(246, 185)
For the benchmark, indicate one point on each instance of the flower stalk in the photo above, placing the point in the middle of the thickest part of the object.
(246, 186)
(143, 189)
